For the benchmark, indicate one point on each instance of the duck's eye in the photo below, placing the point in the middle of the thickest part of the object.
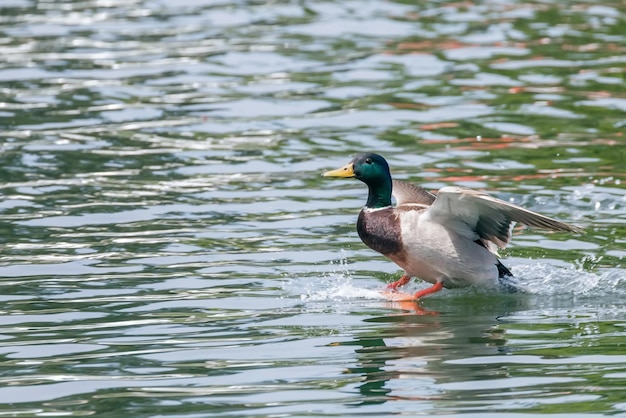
(368, 160)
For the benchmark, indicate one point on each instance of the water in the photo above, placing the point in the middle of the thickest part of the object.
(170, 250)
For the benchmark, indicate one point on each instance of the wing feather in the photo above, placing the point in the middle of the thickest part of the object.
(407, 193)
(487, 217)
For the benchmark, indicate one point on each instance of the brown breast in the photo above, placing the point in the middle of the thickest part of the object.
(380, 230)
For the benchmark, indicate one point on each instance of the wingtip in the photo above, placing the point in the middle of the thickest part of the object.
(562, 226)
(577, 229)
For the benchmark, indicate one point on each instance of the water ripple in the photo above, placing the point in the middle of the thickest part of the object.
(169, 248)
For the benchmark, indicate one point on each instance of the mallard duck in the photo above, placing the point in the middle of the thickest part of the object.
(448, 239)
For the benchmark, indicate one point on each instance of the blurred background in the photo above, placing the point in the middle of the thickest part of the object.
(168, 247)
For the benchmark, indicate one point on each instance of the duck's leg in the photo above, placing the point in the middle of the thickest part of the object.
(400, 282)
(433, 289)
(399, 296)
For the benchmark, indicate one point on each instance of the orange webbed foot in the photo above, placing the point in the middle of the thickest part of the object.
(400, 296)
(400, 282)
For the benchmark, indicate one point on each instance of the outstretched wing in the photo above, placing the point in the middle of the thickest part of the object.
(472, 212)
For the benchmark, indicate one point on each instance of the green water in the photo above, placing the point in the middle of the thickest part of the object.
(169, 249)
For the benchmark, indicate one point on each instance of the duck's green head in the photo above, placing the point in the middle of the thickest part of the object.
(373, 170)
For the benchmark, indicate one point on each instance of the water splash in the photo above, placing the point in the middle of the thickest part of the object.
(549, 280)
(340, 288)
(539, 279)
(336, 284)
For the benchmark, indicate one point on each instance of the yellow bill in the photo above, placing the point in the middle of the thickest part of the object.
(345, 171)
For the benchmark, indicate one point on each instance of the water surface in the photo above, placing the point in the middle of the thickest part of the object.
(169, 249)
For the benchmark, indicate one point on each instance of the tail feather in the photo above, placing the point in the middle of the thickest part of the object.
(507, 282)
(503, 271)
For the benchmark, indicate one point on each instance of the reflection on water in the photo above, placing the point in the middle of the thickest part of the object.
(169, 249)
(435, 363)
